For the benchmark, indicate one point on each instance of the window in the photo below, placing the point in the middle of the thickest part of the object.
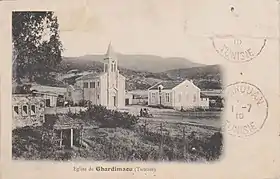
(194, 98)
(92, 84)
(106, 68)
(153, 95)
(112, 67)
(167, 97)
(33, 109)
(24, 110)
(97, 96)
(85, 84)
(98, 84)
(16, 110)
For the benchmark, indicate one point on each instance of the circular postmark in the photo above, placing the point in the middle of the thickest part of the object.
(238, 50)
(246, 109)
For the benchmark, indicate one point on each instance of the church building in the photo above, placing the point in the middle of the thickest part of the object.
(106, 88)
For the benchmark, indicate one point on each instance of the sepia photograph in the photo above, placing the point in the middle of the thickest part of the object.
(110, 102)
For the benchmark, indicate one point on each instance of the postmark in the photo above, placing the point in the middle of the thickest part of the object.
(238, 50)
(246, 109)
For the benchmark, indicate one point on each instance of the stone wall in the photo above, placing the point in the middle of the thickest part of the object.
(27, 110)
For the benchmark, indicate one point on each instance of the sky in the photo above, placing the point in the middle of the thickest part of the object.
(179, 28)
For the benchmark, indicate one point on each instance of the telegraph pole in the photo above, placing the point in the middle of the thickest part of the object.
(161, 142)
(184, 142)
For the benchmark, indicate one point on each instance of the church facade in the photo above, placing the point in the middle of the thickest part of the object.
(107, 88)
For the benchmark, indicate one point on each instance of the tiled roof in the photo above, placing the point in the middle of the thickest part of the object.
(212, 92)
(166, 85)
(202, 95)
(75, 87)
(66, 121)
(50, 89)
(90, 76)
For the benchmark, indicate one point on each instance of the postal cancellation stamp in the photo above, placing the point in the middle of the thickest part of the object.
(246, 109)
(239, 50)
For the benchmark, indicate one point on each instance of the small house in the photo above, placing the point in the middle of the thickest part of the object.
(137, 97)
(175, 94)
(52, 95)
(74, 94)
(215, 97)
(128, 98)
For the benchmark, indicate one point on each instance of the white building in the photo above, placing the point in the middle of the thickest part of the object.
(177, 95)
(49, 94)
(136, 97)
(74, 94)
(107, 88)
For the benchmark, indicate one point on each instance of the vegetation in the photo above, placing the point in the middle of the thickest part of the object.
(119, 136)
(205, 77)
(36, 45)
(118, 144)
(109, 118)
(36, 143)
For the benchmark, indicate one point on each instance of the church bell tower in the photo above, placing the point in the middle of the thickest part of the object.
(111, 68)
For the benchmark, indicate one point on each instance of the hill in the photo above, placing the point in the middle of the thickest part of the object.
(134, 79)
(205, 77)
(211, 72)
(148, 63)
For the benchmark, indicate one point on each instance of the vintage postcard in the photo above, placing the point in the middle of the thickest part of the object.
(157, 89)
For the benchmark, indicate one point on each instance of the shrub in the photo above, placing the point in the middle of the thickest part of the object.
(214, 145)
(35, 143)
(110, 118)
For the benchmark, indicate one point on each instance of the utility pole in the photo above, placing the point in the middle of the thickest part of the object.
(184, 142)
(161, 142)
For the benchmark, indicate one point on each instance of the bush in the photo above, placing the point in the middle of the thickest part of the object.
(84, 103)
(35, 143)
(214, 145)
(110, 118)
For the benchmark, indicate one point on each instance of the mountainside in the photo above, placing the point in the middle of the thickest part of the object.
(204, 77)
(148, 63)
(134, 79)
(211, 72)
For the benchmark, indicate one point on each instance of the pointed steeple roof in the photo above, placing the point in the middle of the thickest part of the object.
(110, 52)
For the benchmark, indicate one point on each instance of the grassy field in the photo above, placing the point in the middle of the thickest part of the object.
(158, 138)
(124, 137)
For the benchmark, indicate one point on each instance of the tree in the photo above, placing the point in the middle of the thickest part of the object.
(36, 44)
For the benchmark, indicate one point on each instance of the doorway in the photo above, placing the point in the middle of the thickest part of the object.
(66, 138)
(48, 103)
(126, 101)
